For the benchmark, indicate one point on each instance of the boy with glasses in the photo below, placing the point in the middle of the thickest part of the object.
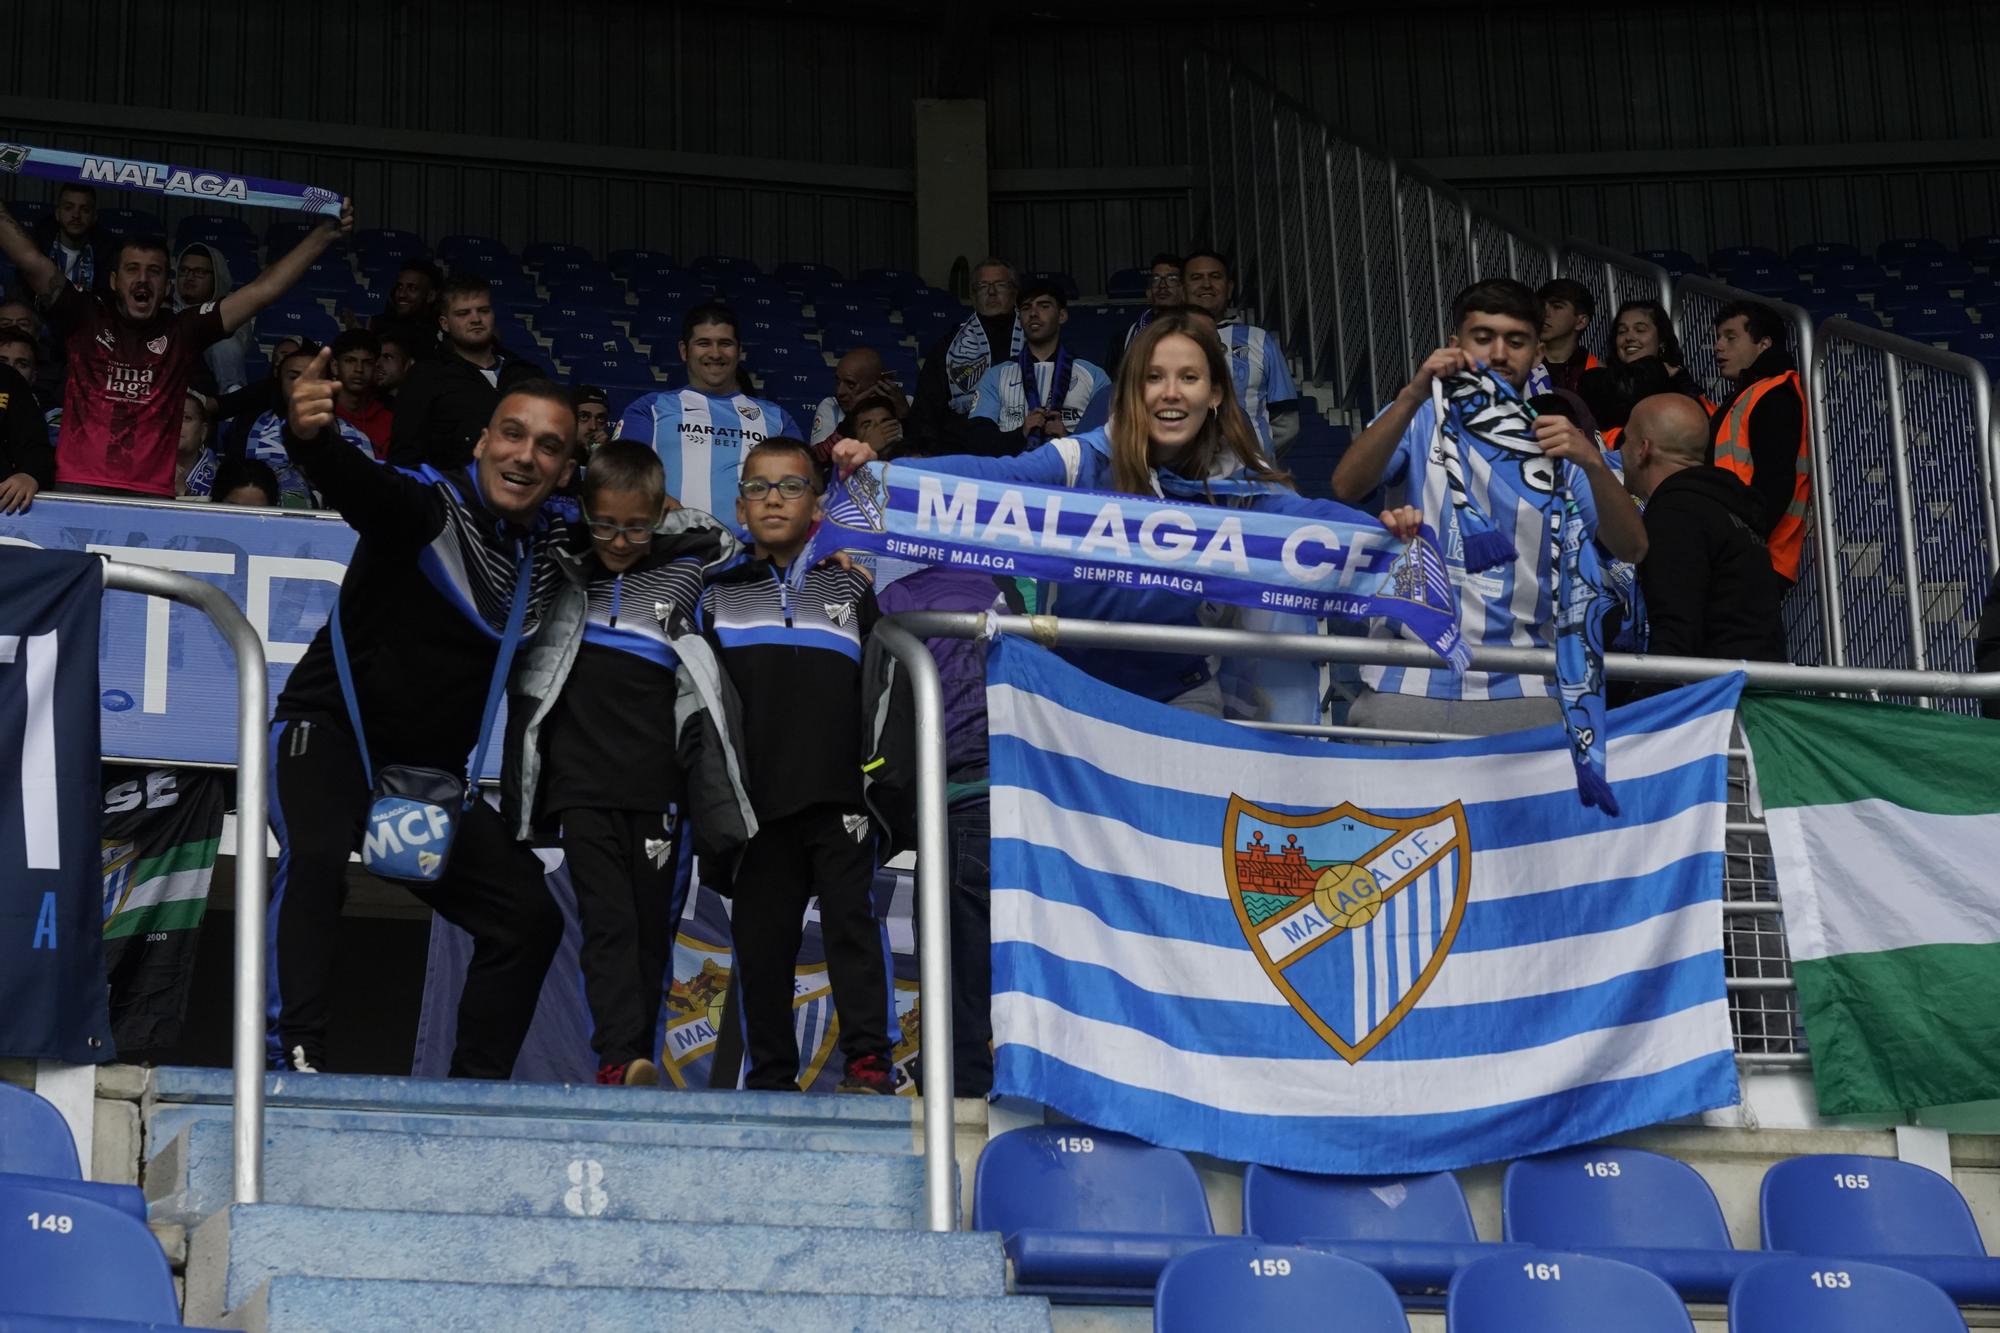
(790, 638)
(598, 751)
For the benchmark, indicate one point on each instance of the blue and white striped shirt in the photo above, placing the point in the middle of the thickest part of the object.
(1510, 606)
(1257, 363)
(1000, 400)
(701, 439)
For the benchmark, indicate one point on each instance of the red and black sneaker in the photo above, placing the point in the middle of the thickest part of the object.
(640, 1073)
(869, 1073)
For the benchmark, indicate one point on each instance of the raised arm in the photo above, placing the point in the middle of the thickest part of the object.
(241, 306)
(39, 273)
(1053, 464)
(376, 500)
(1361, 468)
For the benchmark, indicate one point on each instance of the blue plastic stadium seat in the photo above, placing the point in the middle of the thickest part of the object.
(629, 261)
(539, 254)
(1547, 1291)
(1246, 1285)
(34, 1138)
(1286, 1207)
(1675, 262)
(1947, 271)
(1928, 321)
(1731, 257)
(28, 212)
(1981, 250)
(211, 228)
(1882, 1209)
(1856, 275)
(724, 266)
(1838, 1296)
(1127, 284)
(1814, 253)
(468, 243)
(71, 1256)
(1063, 281)
(605, 293)
(678, 290)
(389, 241)
(890, 279)
(1086, 1214)
(1981, 344)
(313, 323)
(796, 274)
(1898, 248)
(1585, 1198)
(281, 236)
(1765, 279)
(624, 367)
(129, 222)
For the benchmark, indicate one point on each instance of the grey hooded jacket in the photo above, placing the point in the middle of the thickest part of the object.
(228, 359)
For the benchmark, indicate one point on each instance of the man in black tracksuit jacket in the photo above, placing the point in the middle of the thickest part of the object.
(790, 638)
(1709, 587)
(446, 401)
(422, 606)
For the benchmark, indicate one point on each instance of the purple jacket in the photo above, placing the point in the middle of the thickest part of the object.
(961, 662)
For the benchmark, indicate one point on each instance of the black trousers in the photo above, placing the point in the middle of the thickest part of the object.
(629, 870)
(969, 845)
(789, 862)
(492, 888)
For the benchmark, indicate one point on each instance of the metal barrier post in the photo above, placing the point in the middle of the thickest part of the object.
(1906, 521)
(933, 924)
(252, 719)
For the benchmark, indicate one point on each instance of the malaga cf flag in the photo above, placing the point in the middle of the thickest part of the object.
(1352, 959)
(52, 991)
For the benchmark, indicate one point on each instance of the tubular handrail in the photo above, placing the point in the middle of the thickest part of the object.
(252, 716)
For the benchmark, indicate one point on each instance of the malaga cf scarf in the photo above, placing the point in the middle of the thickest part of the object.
(1479, 412)
(1031, 385)
(200, 183)
(968, 356)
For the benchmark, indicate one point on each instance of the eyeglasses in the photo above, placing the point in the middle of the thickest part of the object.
(792, 488)
(992, 288)
(1164, 280)
(605, 530)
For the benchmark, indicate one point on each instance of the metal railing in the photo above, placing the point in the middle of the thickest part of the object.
(1502, 248)
(1613, 279)
(1906, 496)
(1762, 999)
(252, 720)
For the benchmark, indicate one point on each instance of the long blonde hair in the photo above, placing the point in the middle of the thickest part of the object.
(1226, 432)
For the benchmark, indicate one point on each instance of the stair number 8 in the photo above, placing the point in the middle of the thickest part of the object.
(60, 1223)
(1600, 1170)
(1076, 1144)
(1543, 1272)
(1270, 1267)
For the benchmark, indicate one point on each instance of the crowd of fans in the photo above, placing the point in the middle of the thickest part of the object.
(472, 478)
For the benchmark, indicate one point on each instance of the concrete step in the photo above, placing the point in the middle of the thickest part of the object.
(334, 1305)
(191, 1178)
(242, 1247)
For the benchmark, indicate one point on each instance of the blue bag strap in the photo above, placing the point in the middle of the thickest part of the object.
(346, 675)
(524, 577)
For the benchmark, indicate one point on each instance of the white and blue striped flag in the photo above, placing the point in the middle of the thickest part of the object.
(1352, 959)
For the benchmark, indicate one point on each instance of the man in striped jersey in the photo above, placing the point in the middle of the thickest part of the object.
(701, 432)
(1499, 324)
(1045, 393)
(1256, 360)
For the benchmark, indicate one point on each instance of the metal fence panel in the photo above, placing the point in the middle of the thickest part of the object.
(1423, 327)
(1349, 238)
(1388, 343)
(1293, 311)
(1454, 258)
(1321, 347)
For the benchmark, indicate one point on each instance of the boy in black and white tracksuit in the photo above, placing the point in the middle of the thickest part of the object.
(620, 726)
(790, 638)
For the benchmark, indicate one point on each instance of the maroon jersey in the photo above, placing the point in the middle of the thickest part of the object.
(124, 390)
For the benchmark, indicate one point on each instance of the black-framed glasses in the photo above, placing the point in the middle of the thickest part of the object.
(604, 530)
(993, 288)
(1164, 280)
(792, 488)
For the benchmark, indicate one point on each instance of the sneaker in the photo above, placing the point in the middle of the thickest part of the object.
(299, 1061)
(640, 1073)
(869, 1073)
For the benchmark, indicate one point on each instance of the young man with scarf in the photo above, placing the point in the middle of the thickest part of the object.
(1759, 431)
(69, 237)
(1256, 358)
(1044, 393)
(954, 365)
(1496, 529)
(1166, 290)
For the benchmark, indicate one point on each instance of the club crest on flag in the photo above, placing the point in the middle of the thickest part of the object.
(1350, 913)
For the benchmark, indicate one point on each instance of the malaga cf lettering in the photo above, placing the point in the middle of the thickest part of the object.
(176, 180)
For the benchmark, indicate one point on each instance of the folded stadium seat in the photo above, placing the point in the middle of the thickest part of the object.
(76, 1257)
(1414, 1230)
(1675, 262)
(389, 241)
(129, 222)
(1244, 1284)
(1895, 1213)
(1980, 293)
(1983, 252)
(721, 269)
(1856, 275)
(890, 279)
(1809, 256)
(666, 356)
(540, 254)
(796, 273)
(623, 367)
(1927, 321)
(1818, 1296)
(1731, 257)
(1896, 292)
(572, 272)
(1088, 1215)
(792, 354)
(1547, 1291)
(676, 290)
(213, 228)
(513, 286)
(1896, 249)
(1127, 284)
(1947, 271)
(467, 243)
(584, 340)
(281, 236)
(28, 212)
(772, 303)
(1766, 279)
(1064, 283)
(653, 325)
(1843, 307)
(606, 293)
(314, 323)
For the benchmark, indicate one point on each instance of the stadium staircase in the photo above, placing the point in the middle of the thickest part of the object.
(395, 1203)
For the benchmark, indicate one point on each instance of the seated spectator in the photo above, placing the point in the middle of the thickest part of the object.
(414, 303)
(1759, 431)
(1256, 357)
(23, 355)
(265, 441)
(235, 411)
(393, 360)
(130, 363)
(1497, 322)
(856, 376)
(1046, 392)
(1644, 358)
(245, 481)
(27, 463)
(448, 399)
(358, 404)
(874, 422)
(701, 432)
(19, 317)
(195, 459)
(1567, 310)
(952, 370)
(202, 275)
(1166, 290)
(593, 417)
(69, 238)
(1710, 589)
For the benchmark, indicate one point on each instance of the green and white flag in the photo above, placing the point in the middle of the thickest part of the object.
(1885, 825)
(162, 828)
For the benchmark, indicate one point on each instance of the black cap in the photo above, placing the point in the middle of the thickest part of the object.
(590, 393)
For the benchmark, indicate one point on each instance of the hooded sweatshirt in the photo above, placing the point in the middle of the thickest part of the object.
(1710, 589)
(227, 360)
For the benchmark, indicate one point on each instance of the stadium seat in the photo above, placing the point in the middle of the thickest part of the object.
(1551, 1292)
(605, 293)
(1882, 1209)
(388, 241)
(28, 212)
(1127, 284)
(71, 1256)
(305, 322)
(1286, 1207)
(1896, 249)
(1837, 1296)
(540, 254)
(1064, 283)
(463, 243)
(281, 236)
(1732, 257)
(1765, 279)
(34, 1138)
(1982, 345)
(1272, 1287)
(622, 367)
(1088, 1215)
(627, 262)
(1928, 321)
(1809, 256)
(795, 275)
(1675, 262)
(1856, 275)
(1591, 1197)
(1948, 271)
(718, 267)
(129, 222)
(212, 229)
